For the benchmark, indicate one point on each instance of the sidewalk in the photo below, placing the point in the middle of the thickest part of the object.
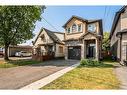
(44, 81)
(121, 72)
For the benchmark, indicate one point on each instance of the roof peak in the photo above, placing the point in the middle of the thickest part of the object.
(80, 18)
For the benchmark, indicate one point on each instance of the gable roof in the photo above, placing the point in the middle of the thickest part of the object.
(51, 35)
(82, 19)
(116, 19)
(82, 36)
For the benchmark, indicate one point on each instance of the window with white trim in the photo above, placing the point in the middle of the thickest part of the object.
(91, 27)
(68, 30)
(74, 28)
(79, 27)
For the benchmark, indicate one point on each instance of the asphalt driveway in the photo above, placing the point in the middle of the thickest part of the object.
(17, 77)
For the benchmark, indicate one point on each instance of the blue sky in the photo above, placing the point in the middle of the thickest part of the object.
(58, 15)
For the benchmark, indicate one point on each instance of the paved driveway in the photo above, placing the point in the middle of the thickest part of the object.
(17, 77)
(121, 72)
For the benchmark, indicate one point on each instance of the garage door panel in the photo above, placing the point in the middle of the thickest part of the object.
(74, 52)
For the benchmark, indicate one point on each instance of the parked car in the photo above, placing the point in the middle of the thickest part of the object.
(23, 54)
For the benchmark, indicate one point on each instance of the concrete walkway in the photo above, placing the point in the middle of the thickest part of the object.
(44, 81)
(121, 72)
(18, 77)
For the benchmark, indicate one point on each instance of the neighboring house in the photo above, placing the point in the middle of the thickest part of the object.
(17, 48)
(118, 35)
(83, 38)
(48, 42)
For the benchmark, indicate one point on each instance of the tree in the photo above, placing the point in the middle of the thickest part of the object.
(17, 24)
(106, 41)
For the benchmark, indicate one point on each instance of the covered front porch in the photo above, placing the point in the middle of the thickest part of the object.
(91, 47)
(44, 49)
(43, 52)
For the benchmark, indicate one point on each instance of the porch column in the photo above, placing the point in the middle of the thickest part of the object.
(82, 50)
(66, 52)
(97, 50)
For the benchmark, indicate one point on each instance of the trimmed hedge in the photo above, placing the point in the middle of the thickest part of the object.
(90, 62)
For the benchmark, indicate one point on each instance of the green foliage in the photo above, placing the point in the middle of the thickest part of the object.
(106, 41)
(17, 23)
(90, 62)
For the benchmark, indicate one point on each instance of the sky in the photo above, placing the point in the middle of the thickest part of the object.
(57, 16)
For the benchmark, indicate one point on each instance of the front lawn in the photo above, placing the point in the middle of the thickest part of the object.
(98, 77)
(14, 63)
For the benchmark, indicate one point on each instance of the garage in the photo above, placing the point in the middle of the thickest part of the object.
(74, 52)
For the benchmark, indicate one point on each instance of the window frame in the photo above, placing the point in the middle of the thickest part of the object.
(68, 30)
(74, 27)
(94, 27)
(80, 28)
(60, 49)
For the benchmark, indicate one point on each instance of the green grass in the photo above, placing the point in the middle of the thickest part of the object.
(15, 63)
(100, 77)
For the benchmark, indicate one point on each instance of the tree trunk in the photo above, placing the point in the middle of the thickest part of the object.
(6, 53)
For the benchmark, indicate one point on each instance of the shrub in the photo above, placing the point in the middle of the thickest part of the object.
(90, 62)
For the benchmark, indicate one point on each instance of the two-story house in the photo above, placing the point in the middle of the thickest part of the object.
(48, 42)
(83, 38)
(118, 35)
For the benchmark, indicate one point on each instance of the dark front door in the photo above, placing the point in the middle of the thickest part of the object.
(74, 52)
(91, 51)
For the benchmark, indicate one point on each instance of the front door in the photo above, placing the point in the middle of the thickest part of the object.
(74, 52)
(91, 51)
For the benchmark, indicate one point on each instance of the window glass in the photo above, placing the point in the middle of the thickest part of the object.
(68, 30)
(91, 28)
(79, 28)
(74, 28)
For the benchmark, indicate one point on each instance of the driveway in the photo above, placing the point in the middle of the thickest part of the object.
(17, 77)
(121, 72)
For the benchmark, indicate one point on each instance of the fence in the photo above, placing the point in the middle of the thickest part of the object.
(41, 57)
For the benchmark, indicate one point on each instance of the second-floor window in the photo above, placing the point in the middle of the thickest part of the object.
(74, 28)
(91, 28)
(68, 30)
(79, 28)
